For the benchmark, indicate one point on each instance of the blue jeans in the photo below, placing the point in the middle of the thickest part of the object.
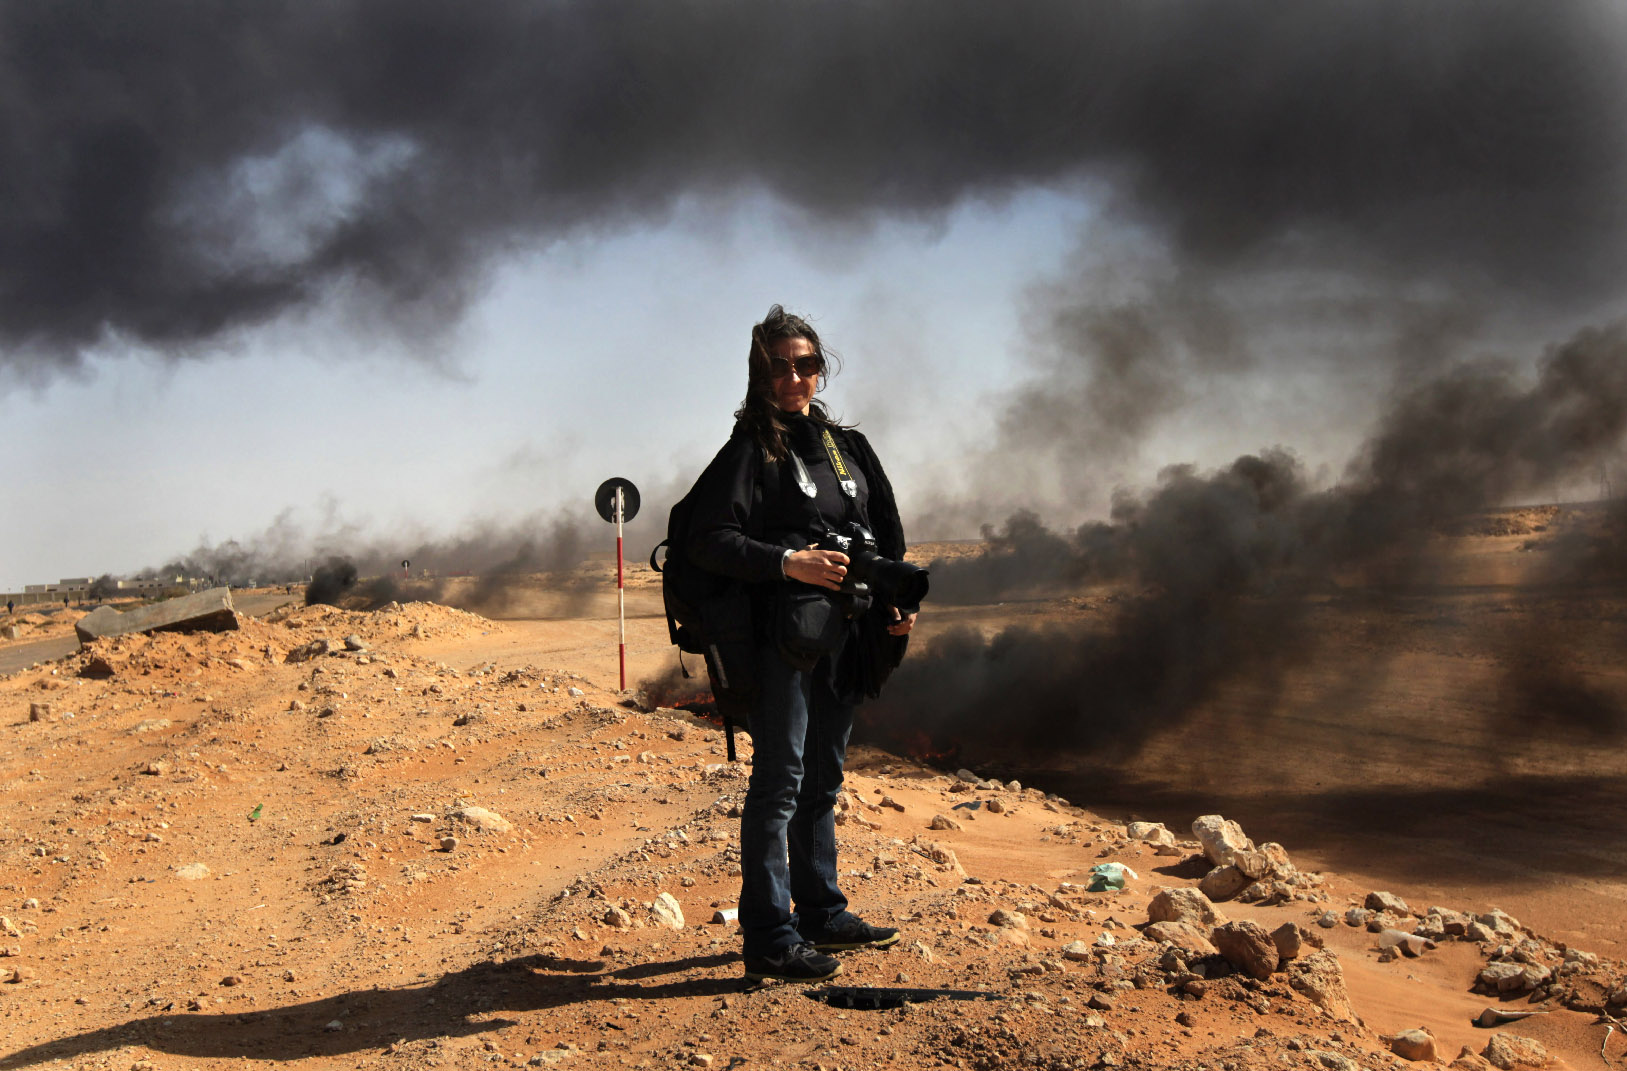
(799, 737)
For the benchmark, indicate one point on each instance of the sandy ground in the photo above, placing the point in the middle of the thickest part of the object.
(212, 854)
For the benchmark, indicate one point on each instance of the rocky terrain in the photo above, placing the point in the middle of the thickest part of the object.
(415, 837)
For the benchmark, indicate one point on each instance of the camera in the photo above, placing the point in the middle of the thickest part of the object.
(898, 584)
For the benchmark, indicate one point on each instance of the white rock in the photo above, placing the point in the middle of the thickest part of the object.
(192, 872)
(1222, 839)
(1183, 904)
(1078, 951)
(481, 818)
(574, 692)
(667, 911)
(1386, 901)
(1153, 833)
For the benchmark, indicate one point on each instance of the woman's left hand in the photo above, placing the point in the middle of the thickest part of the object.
(901, 625)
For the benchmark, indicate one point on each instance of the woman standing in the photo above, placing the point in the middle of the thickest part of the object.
(788, 479)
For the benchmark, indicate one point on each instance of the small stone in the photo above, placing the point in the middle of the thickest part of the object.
(617, 918)
(1183, 904)
(1223, 883)
(1327, 920)
(943, 821)
(1078, 951)
(1503, 977)
(232, 980)
(354, 643)
(423, 818)
(1289, 939)
(192, 872)
(1247, 947)
(1332, 1061)
(1221, 838)
(1014, 920)
(334, 1026)
(667, 911)
(9, 928)
(1153, 833)
(996, 807)
(574, 692)
(449, 844)
(483, 819)
(39, 711)
(1384, 901)
(1320, 978)
(1413, 1045)
(1183, 935)
(701, 1059)
(1510, 1051)
(155, 769)
(295, 705)
(288, 975)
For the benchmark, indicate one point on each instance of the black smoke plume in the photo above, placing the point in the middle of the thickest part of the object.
(331, 582)
(487, 569)
(170, 175)
(1217, 571)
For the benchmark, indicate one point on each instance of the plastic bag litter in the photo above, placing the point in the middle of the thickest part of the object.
(1110, 877)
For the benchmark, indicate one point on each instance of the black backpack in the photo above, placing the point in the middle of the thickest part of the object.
(708, 615)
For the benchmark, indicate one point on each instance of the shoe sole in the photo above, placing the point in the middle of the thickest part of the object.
(848, 946)
(769, 976)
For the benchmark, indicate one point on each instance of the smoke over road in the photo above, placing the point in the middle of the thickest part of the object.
(485, 569)
(1220, 568)
(169, 176)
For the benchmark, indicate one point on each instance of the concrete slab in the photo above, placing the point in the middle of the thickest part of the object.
(203, 611)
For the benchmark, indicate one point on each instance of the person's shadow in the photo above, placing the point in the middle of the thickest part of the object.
(374, 1018)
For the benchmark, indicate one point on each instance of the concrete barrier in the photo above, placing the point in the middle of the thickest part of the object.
(205, 611)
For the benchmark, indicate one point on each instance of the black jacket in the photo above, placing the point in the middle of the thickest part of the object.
(748, 510)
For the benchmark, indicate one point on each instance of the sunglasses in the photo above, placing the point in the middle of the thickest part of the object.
(807, 367)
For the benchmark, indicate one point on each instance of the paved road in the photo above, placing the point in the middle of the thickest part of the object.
(24, 655)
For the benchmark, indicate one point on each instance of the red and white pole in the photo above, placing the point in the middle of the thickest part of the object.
(621, 594)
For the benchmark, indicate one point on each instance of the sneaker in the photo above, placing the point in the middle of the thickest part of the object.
(799, 963)
(854, 932)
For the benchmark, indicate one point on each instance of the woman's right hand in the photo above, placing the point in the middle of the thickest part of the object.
(821, 568)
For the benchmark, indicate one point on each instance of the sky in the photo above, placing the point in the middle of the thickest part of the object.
(372, 274)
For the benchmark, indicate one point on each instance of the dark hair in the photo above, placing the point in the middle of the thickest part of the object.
(758, 415)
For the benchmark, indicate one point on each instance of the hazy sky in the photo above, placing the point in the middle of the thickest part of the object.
(378, 271)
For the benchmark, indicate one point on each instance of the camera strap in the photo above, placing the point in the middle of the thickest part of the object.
(844, 478)
(850, 487)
